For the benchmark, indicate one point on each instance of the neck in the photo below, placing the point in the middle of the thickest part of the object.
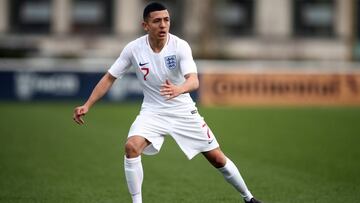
(157, 44)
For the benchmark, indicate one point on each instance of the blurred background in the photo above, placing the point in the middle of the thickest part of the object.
(279, 84)
(40, 37)
(273, 36)
(227, 29)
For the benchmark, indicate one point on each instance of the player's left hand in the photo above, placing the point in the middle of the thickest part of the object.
(169, 90)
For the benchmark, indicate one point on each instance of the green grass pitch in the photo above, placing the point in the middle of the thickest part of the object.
(286, 155)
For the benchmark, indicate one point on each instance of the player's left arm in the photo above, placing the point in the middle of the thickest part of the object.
(170, 90)
(188, 68)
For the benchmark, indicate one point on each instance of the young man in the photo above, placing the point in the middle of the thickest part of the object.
(167, 72)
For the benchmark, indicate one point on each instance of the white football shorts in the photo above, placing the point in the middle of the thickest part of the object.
(190, 132)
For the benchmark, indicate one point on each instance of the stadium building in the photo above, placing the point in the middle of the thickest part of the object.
(216, 29)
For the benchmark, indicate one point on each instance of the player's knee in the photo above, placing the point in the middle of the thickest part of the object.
(218, 161)
(132, 150)
(216, 157)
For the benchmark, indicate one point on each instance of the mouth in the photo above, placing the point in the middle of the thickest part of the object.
(162, 33)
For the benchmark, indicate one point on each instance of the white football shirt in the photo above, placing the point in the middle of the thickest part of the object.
(152, 69)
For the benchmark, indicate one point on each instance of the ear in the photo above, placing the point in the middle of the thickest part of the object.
(145, 26)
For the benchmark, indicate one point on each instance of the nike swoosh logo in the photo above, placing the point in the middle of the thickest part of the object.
(142, 64)
(210, 141)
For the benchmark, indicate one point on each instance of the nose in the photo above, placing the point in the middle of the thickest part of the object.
(162, 24)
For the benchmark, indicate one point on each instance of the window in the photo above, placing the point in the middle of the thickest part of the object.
(357, 19)
(234, 17)
(175, 8)
(357, 30)
(30, 16)
(91, 16)
(314, 18)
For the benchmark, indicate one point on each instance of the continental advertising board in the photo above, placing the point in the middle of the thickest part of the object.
(280, 89)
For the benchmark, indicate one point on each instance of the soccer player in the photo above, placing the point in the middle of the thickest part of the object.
(167, 73)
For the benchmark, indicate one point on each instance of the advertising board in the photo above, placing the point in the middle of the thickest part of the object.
(280, 89)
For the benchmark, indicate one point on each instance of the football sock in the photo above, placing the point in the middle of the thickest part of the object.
(134, 177)
(232, 175)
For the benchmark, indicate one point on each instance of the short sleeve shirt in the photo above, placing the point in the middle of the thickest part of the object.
(173, 62)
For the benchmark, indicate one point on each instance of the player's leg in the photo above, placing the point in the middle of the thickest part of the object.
(145, 137)
(134, 146)
(230, 172)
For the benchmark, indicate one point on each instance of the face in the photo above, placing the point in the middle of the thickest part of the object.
(157, 25)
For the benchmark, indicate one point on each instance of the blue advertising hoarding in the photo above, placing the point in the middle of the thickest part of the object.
(65, 85)
(42, 85)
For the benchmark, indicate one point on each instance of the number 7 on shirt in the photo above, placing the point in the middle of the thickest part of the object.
(146, 72)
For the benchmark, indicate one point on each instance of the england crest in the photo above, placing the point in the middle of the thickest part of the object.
(170, 62)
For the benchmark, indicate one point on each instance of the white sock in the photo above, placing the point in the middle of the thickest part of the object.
(134, 177)
(232, 175)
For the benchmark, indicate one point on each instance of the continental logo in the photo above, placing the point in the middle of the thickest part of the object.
(276, 88)
(280, 89)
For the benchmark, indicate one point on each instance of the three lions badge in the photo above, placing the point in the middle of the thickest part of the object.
(170, 62)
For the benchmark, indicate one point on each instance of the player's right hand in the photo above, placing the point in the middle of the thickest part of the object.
(79, 112)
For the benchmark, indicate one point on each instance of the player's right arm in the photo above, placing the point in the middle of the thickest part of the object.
(98, 92)
(117, 70)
